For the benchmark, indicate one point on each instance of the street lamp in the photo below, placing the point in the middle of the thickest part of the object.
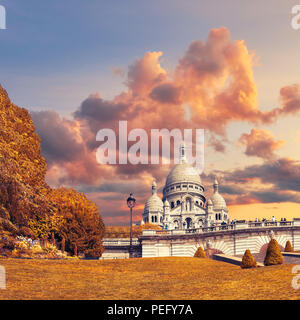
(130, 204)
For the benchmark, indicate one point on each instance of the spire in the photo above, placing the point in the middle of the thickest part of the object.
(182, 152)
(154, 187)
(216, 186)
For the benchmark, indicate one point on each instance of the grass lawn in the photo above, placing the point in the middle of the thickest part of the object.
(152, 278)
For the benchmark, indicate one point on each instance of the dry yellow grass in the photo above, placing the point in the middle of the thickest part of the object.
(160, 278)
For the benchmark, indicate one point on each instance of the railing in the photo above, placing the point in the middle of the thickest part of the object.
(120, 242)
(270, 224)
(218, 228)
(225, 227)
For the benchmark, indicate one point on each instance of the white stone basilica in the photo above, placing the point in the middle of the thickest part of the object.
(184, 204)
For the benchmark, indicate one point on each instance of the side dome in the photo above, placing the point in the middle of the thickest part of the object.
(154, 203)
(217, 200)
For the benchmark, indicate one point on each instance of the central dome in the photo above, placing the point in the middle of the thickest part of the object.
(183, 172)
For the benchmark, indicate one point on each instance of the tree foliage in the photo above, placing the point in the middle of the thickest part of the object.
(124, 231)
(83, 226)
(28, 206)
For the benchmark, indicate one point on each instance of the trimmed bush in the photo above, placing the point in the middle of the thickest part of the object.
(248, 260)
(200, 253)
(273, 255)
(288, 247)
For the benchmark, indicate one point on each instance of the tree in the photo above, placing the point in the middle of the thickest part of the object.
(248, 260)
(28, 206)
(200, 253)
(288, 247)
(63, 244)
(124, 231)
(273, 255)
(82, 224)
(43, 228)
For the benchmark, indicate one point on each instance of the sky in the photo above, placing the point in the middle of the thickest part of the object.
(80, 66)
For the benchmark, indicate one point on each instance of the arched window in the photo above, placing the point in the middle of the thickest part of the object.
(152, 219)
(217, 216)
(178, 202)
(188, 223)
(176, 224)
(155, 218)
(172, 204)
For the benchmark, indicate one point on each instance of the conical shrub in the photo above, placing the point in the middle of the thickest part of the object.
(200, 253)
(248, 260)
(288, 247)
(273, 255)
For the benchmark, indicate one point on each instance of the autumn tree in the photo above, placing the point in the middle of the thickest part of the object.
(44, 227)
(124, 231)
(28, 206)
(82, 225)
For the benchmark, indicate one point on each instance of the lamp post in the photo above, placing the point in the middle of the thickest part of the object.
(130, 203)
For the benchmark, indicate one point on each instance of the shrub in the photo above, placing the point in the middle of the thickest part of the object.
(49, 248)
(288, 247)
(37, 249)
(273, 255)
(93, 253)
(248, 260)
(200, 253)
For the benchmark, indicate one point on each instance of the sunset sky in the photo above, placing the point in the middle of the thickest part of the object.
(80, 66)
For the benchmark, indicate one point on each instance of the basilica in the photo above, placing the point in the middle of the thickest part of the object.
(184, 205)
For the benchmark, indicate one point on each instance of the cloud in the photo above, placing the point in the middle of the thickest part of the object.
(61, 140)
(217, 144)
(260, 143)
(117, 71)
(272, 181)
(144, 74)
(214, 78)
(166, 93)
(290, 103)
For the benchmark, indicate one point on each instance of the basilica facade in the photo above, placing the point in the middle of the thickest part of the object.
(184, 204)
